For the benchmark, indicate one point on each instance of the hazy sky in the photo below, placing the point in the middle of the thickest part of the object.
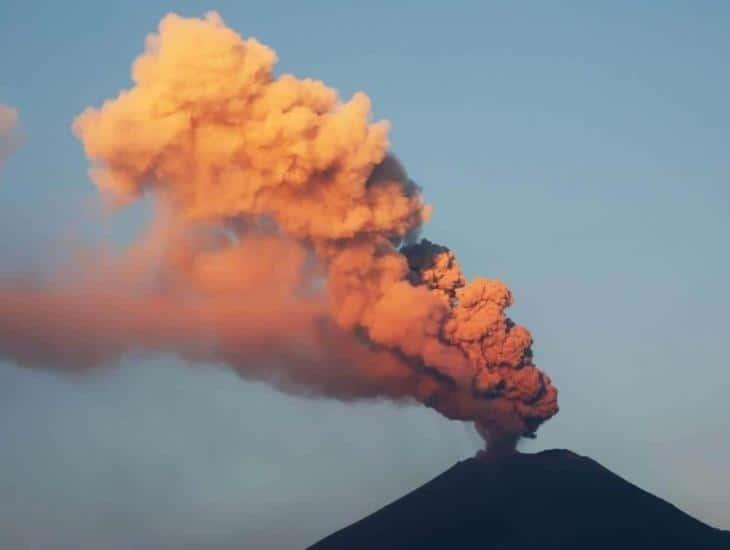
(578, 153)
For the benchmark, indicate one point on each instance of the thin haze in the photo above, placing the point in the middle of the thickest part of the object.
(588, 172)
(8, 131)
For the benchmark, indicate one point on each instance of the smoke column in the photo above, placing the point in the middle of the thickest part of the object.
(8, 131)
(283, 247)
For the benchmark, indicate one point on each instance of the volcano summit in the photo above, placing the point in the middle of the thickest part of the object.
(549, 500)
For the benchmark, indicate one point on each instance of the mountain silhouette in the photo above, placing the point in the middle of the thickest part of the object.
(549, 500)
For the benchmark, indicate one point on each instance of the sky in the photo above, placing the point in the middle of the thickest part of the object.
(577, 152)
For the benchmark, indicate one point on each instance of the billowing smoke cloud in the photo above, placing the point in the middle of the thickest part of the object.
(8, 131)
(284, 247)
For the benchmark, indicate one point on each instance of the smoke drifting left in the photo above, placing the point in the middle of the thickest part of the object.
(8, 131)
(283, 247)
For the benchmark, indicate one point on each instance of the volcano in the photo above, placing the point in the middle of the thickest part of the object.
(549, 500)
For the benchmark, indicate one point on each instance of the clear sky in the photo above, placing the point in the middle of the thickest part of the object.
(579, 153)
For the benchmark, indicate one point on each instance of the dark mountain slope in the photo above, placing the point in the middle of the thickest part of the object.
(549, 500)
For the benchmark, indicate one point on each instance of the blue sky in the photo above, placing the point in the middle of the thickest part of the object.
(578, 152)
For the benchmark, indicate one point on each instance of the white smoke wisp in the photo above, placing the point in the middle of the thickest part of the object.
(8, 131)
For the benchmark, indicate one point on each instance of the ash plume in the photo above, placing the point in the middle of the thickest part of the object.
(284, 247)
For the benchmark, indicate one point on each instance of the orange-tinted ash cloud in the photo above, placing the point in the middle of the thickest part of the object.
(284, 249)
